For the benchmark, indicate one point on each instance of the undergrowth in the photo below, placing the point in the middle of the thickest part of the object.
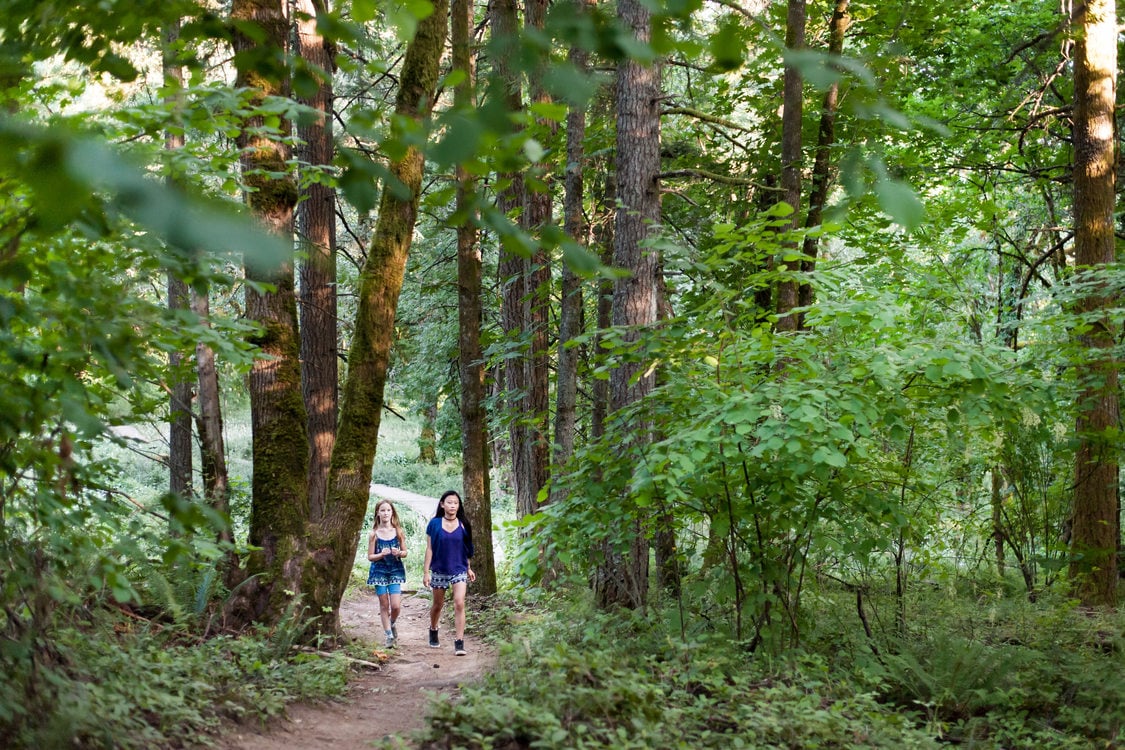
(117, 683)
(590, 681)
(985, 674)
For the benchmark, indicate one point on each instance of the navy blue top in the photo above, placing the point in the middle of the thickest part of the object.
(451, 549)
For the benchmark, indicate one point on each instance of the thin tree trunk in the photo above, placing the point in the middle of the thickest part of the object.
(179, 405)
(539, 215)
(997, 520)
(316, 221)
(823, 172)
(599, 408)
(791, 157)
(623, 578)
(1095, 533)
(212, 451)
(570, 310)
(427, 436)
(474, 429)
(333, 540)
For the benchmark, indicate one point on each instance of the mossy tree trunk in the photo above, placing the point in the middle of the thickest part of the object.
(332, 541)
(279, 510)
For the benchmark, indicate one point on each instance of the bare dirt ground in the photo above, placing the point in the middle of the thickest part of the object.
(382, 707)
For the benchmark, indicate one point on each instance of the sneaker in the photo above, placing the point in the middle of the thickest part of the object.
(459, 648)
(390, 641)
(394, 631)
(434, 643)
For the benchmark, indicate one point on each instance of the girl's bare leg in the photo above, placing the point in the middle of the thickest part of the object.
(459, 590)
(385, 611)
(435, 608)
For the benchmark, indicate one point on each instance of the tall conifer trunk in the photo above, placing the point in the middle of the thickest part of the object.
(316, 219)
(474, 430)
(623, 578)
(1095, 534)
(570, 311)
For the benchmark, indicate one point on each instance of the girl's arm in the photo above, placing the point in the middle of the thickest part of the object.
(401, 543)
(371, 546)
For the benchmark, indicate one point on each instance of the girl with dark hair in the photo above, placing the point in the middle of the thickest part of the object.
(449, 545)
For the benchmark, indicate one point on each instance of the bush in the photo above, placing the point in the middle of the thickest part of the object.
(586, 681)
(121, 683)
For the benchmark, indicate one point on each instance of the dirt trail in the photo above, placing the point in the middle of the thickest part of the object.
(381, 707)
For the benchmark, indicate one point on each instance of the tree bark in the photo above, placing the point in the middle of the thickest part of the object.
(279, 508)
(1095, 531)
(316, 221)
(514, 272)
(823, 172)
(212, 451)
(623, 578)
(179, 403)
(537, 216)
(791, 158)
(570, 310)
(474, 428)
(332, 542)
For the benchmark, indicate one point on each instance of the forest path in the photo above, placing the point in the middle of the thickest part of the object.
(381, 708)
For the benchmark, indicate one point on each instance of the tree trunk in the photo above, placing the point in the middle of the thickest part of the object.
(570, 310)
(316, 221)
(537, 216)
(791, 158)
(212, 452)
(822, 174)
(474, 429)
(514, 272)
(427, 436)
(604, 309)
(279, 508)
(332, 541)
(623, 578)
(1095, 531)
(179, 403)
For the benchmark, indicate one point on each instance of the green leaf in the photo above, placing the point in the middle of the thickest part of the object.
(899, 202)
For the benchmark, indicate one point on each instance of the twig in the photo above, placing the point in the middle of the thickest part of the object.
(335, 655)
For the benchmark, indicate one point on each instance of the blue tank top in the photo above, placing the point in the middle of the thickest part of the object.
(390, 566)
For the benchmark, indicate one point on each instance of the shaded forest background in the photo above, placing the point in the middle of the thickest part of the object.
(778, 343)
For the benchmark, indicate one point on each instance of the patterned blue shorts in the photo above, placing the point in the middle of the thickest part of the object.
(442, 581)
(376, 576)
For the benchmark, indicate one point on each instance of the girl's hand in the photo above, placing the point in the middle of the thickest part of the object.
(426, 579)
(472, 576)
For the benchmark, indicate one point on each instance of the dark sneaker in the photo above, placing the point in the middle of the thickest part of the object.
(459, 648)
(394, 631)
(434, 642)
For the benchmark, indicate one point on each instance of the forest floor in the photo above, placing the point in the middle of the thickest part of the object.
(382, 707)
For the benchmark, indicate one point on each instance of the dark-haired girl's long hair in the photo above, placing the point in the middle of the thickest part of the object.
(460, 513)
